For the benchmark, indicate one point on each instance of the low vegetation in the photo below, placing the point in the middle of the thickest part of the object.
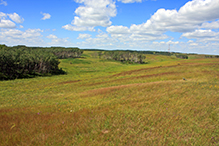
(168, 101)
(123, 56)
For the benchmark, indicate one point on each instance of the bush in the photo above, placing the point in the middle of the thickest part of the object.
(123, 56)
(182, 56)
(22, 62)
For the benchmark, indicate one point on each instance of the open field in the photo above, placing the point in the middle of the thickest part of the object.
(109, 103)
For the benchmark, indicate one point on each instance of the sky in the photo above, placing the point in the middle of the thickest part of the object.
(155, 25)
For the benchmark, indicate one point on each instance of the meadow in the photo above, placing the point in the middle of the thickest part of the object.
(168, 101)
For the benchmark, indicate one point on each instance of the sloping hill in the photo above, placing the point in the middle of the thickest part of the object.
(102, 102)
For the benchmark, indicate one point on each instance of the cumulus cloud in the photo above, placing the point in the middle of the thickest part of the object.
(97, 42)
(45, 16)
(191, 16)
(124, 33)
(170, 42)
(54, 40)
(17, 34)
(31, 37)
(200, 10)
(130, 1)
(28, 37)
(16, 18)
(190, 41)
(92, 13)
(193, 44)
(211, 25)
(83, 36)
(2, 15)
(6, 23)
(102, 35)
(118, 30)
(58, 41)
(195, 20)
(200, 34)
(52, 36)
(3, 3)
(78, 28)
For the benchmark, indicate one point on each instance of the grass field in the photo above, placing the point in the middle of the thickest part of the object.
(103, 102)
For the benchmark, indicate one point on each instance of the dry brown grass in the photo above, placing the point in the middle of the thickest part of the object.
(139, 105)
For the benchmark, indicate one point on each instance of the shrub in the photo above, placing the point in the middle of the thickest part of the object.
(22, 62)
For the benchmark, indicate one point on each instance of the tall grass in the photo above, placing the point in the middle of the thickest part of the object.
(110, 103)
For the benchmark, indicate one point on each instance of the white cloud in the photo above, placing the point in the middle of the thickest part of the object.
(4, 23)
(77, 28)
(118, 30)
(52, 36)
(16, 18)
(130, 1)
(102, 35)
(7, 24)
(193, 44)
(28, 37)
(200, 10)
(2, 15)
(195, 20)
(32, 33)
(200, 34)
(3, 3)
(21, 26)
(98, 42)
(102, 40)
(58, 41)
(17, 34)
(190, 41)
(83, 36)
(146, 38)
(45, 16)
(91, 14)
(167, 43)
(124, 34)
(187, 19)
(172, 42)
(212, 25)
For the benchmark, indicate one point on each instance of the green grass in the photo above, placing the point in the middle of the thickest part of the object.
(110, 103)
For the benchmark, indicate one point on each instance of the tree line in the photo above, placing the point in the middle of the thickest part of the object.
(60, 52)
(22, 61)
(123, 56)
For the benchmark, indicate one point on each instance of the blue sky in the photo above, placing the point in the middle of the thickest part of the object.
(187, 26)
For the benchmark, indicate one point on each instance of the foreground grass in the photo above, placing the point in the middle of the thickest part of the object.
(109, 103)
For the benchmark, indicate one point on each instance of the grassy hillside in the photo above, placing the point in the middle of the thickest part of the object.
(102, 102)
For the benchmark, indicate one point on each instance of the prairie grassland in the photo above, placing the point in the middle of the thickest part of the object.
(109, 103)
